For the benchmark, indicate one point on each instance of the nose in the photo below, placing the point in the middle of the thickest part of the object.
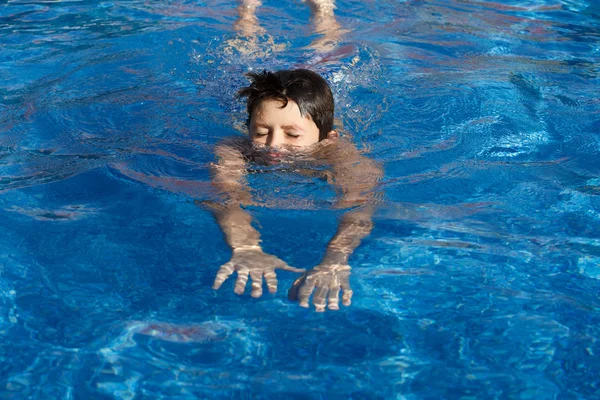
(275, 139)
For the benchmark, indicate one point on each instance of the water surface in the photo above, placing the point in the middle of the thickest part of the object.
(480, 279)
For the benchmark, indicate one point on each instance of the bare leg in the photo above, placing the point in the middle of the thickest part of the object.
(322, 8)
(252, 40)
(326, 25)
(247, 24)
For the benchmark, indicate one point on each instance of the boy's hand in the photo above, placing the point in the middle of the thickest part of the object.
(328, 279)
(252, 261)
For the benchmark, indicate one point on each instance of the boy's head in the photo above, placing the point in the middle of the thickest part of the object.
(290, 107)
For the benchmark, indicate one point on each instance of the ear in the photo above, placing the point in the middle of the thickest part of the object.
(332, 134)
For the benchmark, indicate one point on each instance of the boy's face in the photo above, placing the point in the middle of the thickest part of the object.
(282, 128)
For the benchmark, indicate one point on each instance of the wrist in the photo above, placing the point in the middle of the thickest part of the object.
(249, 247)
(335, 256)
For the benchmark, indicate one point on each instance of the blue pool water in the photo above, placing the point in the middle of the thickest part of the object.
(481, 278)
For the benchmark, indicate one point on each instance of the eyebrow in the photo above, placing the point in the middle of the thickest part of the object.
(286, 127)
(293, 127)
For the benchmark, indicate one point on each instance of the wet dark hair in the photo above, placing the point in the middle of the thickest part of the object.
(306, 88)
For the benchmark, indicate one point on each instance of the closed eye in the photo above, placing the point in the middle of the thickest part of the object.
(292, 135)
(260, 134)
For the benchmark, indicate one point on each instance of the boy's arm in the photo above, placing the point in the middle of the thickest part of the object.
(354, 226)
(248, 259)
(357, 177)
(228, 178)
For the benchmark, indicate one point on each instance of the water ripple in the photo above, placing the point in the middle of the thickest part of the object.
(479, 279)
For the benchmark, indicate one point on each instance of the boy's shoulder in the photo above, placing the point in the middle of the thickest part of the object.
(336, 150)
(233, 147)
(240, 143)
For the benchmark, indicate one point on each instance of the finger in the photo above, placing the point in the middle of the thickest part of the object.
(334, 298)
(293, 292)
(271, 279)
(284, 266)
(256, 276)
(224, 272)
(319, 298)
(346, 292)
(305, 291)
(242, 278)
(347, 297)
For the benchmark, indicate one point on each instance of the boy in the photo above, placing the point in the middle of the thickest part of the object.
(290, 114)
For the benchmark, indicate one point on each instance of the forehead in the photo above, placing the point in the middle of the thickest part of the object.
(273, 108)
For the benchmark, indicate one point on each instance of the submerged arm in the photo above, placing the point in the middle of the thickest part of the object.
(357, 178)
(354, 226)
(248, 258)
(228, 178)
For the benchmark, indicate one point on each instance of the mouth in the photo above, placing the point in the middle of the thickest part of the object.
(271, 156)
(274, 157)
(274, 154)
